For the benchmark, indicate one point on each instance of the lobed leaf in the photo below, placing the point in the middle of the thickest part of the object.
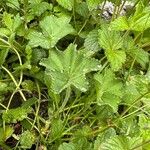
(108, 89)
(140, 21)
(111, 41)
(27, 139)
(15, 115)
(122, 143)
(69, 68)
(53, 29)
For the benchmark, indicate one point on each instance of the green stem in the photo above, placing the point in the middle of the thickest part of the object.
(20, 61)
(81, 29)
(38, 107)
(138, 109)
(15, 82)
(11, 97)
(3, 106)
(144, 143)
(68, 92)
(121, 7)
(129, 72)
(103, 6)
(135, 101)
(114, 13)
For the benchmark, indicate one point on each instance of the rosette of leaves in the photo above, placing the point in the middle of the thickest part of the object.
(69, 68)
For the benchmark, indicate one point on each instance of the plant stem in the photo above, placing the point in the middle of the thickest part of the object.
(68, 92)
(121, 7)
(135, 101)
(144, 143)
(15, 82)
(37, 108)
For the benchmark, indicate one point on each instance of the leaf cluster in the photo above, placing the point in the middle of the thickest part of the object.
(73, 79)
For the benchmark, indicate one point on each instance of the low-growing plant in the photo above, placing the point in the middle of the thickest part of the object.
(74, 74)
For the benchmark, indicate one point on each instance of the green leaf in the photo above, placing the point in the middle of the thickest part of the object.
(103, 112)
(13, 4)
(82, 133)
(91, 42)
(27, 139)
(66, 4)
(4, 31)
(140, 21)
(103, 137)
(122, 143)
(38, 39)
(29, 102)
(92, 4)
(82, 9)
(3, 55)
(57, 129)
(37, 55)
(5, 134)
(3, 87)
(69, 68)
(111, 41)
(35, 1)
(144, 123)
(137, 53)
(28, 85)
(57, 28)
(14, 115)
(120, 24)
(141, 56)
(11, 22)
(38, 7)
(8, 21)
(16, 22)
(83, 143)
(136, 86)
(109, 89)
(53, 29)
(81, 137)
(67, 146)
(116, 58)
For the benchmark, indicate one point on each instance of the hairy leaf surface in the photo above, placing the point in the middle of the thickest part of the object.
(53, 29)
(69, 68)
(112, 42)
(108, 89)
(91, 42)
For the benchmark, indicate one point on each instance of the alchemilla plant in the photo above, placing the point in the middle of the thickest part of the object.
(74, 75)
